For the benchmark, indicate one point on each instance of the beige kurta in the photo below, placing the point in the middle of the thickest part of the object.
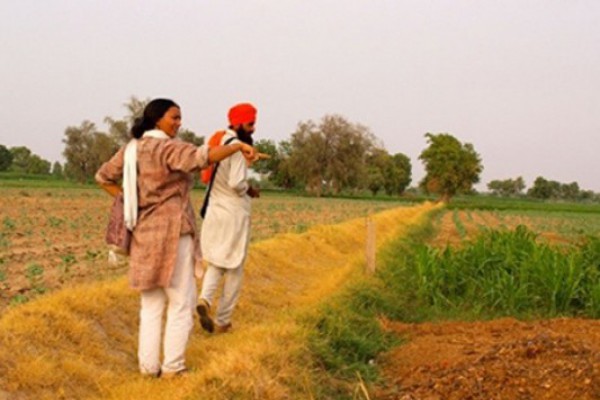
(226, 226)
(165, 178)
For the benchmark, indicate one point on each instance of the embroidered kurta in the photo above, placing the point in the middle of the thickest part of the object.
(165, 179)
(226, 226)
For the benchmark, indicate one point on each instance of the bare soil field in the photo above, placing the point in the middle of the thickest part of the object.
(503, 359)
(51, 238)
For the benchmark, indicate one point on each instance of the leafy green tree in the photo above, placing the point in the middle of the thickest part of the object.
(586, 195)
(544, 189)
(283, 176)
(190, 137)
(350, 144)
(6, 158)
(119, 129)
(57, 170)
(135, 108)
(379, 165)
(268, 166)
(85, 151)
(395, 170)
(24, 161)
(569, 191)
(20, 158)
(276, 168)
(399, 176)
(37, 165)
(451, 167)
(103, 147)
(308, 157)
(507, 187)
(376, 181)
(330, 156)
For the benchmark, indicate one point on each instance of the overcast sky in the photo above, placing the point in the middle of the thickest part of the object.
(520, 80)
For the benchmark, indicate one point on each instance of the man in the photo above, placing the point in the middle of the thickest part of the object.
(226, 226)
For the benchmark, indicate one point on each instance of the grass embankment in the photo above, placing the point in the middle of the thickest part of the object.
(347, 335)
(81, 342)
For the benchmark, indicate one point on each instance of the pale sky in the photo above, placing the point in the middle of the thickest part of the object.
(520, 80)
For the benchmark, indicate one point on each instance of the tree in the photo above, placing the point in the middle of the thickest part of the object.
(268, 166)
(6, 158)
(275, 168)
(399, 176)
(37, 165)
(85, 151)
(57, 170)
(24, 161)
(308, 157)
(330, 156)
(586, 195)
(376, 181)
(283, 176)
(190, 137)
(451, 167)
(391, 173)
(20, 158)
(507, 187)
(119, 129)
(379, 162)
(569, 191)
(544, 189)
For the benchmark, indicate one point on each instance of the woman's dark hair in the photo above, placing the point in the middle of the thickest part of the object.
(153, 112)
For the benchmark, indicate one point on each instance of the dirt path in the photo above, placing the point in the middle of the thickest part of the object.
(503, 359)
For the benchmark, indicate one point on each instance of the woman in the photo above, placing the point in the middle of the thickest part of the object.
(157, 174)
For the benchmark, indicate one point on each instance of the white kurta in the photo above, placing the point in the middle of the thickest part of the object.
(226, 226)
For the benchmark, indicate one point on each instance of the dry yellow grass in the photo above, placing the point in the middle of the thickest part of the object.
(80, 342)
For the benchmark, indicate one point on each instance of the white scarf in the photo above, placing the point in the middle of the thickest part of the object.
(130, 200)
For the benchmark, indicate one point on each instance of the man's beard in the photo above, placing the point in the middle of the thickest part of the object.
(244, 135)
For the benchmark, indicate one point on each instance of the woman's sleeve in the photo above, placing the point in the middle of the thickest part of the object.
(186, 157)
(111, 172)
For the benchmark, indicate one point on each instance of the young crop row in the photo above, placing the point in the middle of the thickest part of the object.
(503, 272)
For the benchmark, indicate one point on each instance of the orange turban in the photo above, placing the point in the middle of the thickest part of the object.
(242, 113)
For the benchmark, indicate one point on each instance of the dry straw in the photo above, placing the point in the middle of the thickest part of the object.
(81, 342)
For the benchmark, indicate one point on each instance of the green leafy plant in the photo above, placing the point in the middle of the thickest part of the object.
(8, 223)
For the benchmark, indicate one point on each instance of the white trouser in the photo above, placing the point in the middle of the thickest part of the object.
(180, 297)
(230, 293)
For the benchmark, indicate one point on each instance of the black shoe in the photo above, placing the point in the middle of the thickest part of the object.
(206, 321)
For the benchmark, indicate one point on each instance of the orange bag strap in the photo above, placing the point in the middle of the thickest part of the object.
(212, 179)
(214, 141)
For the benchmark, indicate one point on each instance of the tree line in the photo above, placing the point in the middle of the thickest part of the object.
(542, 188)
(20, 159)
(328, 157)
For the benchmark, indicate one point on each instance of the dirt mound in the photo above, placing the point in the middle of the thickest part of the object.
(503, 359)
